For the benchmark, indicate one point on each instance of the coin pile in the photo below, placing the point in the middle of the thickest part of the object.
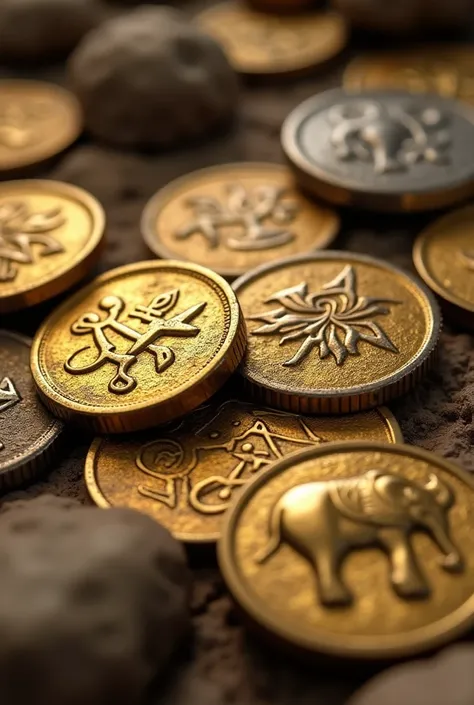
(237, 381)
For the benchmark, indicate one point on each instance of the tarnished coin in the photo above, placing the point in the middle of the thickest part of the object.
(264, 44)
(37, 121)
(29, 436)
(50, 236)
(335, 332)
(139, 346)
(186, 477)
(389, 150)
(234, 217)
(444, 257)
(357, 549)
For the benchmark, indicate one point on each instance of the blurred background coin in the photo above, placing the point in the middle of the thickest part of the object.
(283, 6)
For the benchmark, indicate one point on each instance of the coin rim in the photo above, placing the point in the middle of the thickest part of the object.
(401, 645)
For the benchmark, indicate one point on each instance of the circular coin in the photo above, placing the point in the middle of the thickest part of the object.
(444, 257)
(234, 217)
(50, 236)
(29, 436)
(265, 44)
(186, 477)
(335, 332)
(141, 345)
(387, 150)
(357, 549)
(37, 121)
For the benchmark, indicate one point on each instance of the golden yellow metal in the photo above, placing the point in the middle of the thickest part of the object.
(141, 345)
(282, 6)
(263, 44)
(235, 217)
(335, 332)
(185, 477)
(357, 549)
(50, 237)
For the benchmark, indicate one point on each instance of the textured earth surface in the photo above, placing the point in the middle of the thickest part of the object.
(226, 664)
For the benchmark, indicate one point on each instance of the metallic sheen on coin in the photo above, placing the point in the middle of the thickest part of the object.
(234, 217)
(358, 550)
(382, 150)
(186, 477)
(335, 332)
(139, 346)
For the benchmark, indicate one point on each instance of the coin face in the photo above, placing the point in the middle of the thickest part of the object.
(444, 257)
(355, 549)
(382, 150)
(29, 435)
(37, 121)
(261, 44)
(187, 477)
(50, 236)
(141, 345)
(234, 217)
(335, 332)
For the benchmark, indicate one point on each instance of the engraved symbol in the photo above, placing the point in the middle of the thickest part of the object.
(8, 397)
(247, 220)
(334, 320)
(324, 521)
(467, 257)
(18, 123)
(392, 138)
(20, 229)
(158, 327)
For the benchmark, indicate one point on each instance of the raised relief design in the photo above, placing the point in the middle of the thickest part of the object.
(450, 79)
(21, 229)
(390, 137)
(157, 327)
(467, 258)
(325, 521)
(247, 219)
(19, 122)
(333, 320)
(238, 441)
(8, 397)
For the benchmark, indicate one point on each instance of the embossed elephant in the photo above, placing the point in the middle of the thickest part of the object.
(324, 521)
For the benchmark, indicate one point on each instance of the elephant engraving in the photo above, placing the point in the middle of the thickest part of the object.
(324, 521)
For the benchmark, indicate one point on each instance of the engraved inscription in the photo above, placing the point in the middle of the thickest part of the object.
(333, 320)
(8, 397)
(245, 219)
(19, 122)
(157, 327)
(325, 521)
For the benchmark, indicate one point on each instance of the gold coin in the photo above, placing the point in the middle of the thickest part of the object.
(37, 121)
(50, 236)
(261, 44)
(356, 549)
(234, 217)
(444, 258)
(335, 332)
(187, 476)
(141, 345)
(443, 69)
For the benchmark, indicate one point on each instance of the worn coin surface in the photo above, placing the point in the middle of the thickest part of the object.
(383, 150)
(37, 121)
(264, 44)
(50, 236)
(186, 477)
(234, 217)
(139, 346)
(357, 549)
(335, 332)
(444, 257)
(29, 435)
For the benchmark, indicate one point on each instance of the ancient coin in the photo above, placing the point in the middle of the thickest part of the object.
(139, 346)
(37, 121)
(444, 257)
(50, 236)
(356, 549)
(234, 217)
(264, 44)
(383, 150)
(187, 476)
(29, 435)
(335, 332)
